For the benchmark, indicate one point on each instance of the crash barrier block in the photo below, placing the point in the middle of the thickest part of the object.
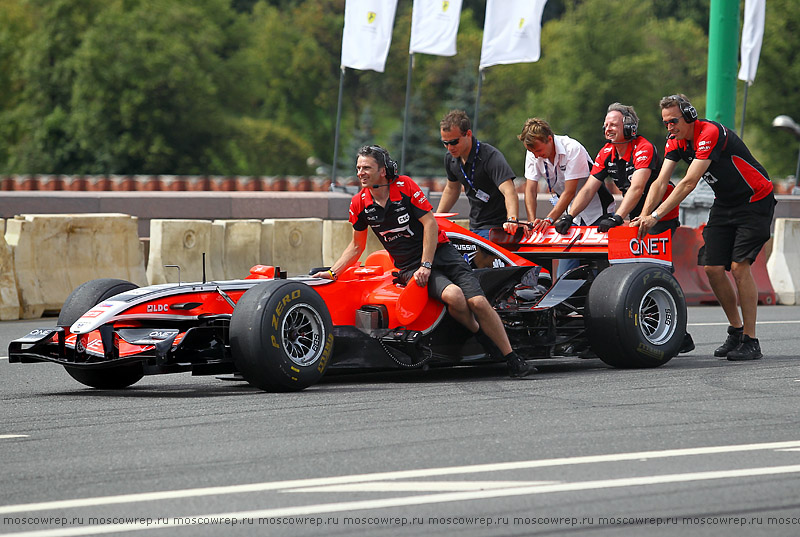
(297, 244)
(336, 236)
(694, 282)
(783, 266)
(267, 239)
(9, 296)
(54, 253)
(235, 248)
(181, 243)
(692, 277)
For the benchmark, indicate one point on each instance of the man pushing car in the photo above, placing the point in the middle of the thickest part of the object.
(401, 217)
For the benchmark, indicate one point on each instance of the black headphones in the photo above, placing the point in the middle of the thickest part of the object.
(688, 111)
(629, 125)
(388, 163)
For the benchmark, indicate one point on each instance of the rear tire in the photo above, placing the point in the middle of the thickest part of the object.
(81, 300)
(636, 315)
(281, 336)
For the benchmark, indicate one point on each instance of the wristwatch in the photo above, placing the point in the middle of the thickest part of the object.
(427, 265)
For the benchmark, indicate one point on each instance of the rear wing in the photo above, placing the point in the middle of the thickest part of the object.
(619, 245)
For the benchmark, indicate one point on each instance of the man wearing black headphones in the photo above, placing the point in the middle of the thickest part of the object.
(401, 217)
(632, 162)
(739, 221)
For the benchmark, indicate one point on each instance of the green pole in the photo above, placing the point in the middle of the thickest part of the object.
(723, 51)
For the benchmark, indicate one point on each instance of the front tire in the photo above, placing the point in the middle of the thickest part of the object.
(81, 300)
(636, 315)
(281, 336)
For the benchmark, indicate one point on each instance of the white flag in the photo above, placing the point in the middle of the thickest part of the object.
(434, 25)
(752, 35)
(367, 33)
(512, 32)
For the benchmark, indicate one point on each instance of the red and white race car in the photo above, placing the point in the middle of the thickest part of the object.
(622, 305)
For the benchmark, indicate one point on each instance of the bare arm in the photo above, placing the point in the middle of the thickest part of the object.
(635, 191)
(430, 240)
(512, 204)
(449, 196)
(350, 255)
(531, 194)
(693, 175)
(659, 186)
(564, 199)
(585, 194)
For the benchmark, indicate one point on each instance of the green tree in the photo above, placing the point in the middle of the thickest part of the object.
(775, 90)
(584, 67)
(38, 137)
(145, 97)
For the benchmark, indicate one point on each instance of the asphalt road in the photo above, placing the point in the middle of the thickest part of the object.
(701, 446)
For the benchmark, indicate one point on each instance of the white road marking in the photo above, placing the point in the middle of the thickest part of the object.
(423, 486)
(387, 476)
(413, 500)
(757, 323)
(5, 436)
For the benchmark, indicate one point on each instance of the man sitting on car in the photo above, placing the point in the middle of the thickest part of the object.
(401, 217)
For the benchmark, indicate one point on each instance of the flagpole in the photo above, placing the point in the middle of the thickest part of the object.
(744, 109)
(477, 102)
(338, 122)
(405, 115)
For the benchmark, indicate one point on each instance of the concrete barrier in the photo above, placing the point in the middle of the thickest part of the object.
(783, 266)
(53, 254)
(235, 247)
(178, 242)
(336, 235)
(297, 244)
(9, 296)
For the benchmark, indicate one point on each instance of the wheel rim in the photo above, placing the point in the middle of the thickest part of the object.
(657, 315)
(302, 333)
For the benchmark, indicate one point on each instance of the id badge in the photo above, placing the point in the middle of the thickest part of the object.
(481, 195)
(553, 200)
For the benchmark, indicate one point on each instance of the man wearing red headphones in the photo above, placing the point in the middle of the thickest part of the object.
(739, 221)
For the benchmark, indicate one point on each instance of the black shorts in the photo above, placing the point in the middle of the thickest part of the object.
(449, 267)
(736, 234)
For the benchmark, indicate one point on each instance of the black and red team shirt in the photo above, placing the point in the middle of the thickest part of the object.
(640, 154)
(734, 174)
(397, 225)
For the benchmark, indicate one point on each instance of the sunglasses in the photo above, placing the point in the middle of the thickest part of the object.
(454, 141)
(673, 121)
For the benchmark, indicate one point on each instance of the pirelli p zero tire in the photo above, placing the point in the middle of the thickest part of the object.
(636, 315)
(281, 336)
(81, 300)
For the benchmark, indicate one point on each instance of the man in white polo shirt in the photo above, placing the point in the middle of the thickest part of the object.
(564, 164)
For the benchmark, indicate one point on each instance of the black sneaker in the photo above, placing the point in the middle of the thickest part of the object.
(517, 367)
(688, 343)
(748, 349)
(731, 342)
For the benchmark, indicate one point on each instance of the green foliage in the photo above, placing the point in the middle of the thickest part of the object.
(584, 68)
(251, 87)
(775, 91)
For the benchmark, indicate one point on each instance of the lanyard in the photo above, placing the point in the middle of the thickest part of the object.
(547, 176)
(472, 174)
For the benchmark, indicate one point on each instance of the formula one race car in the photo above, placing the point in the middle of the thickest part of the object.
(622, 305)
